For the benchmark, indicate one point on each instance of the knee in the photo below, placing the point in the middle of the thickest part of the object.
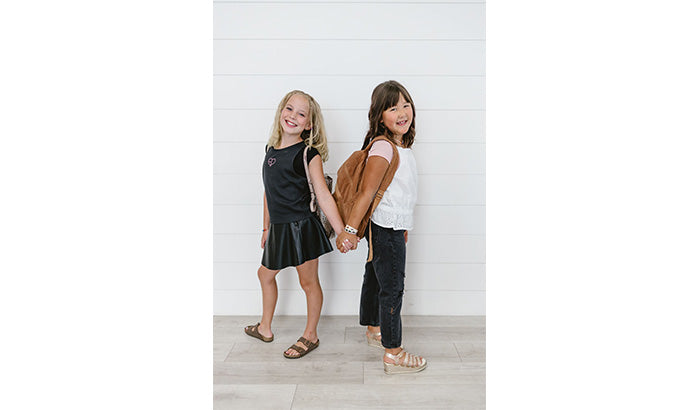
(392, 303)
(309, 285)
(265, 275)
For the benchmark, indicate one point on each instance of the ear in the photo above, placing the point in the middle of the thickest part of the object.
(308, 126)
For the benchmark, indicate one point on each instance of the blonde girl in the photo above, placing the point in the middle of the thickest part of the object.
(291, 234)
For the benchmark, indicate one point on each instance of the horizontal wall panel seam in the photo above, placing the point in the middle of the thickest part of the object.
(257, 174)
(347, 39)
(461, 235)
(350, 39)
(350, 109)
(326, 290)
(344, 263)
(417, 205)
(347, 75)
(273, 109)
(358, 289)
(418, 143)
(306, 2)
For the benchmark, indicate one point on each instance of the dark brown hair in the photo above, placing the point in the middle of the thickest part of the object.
(385, 96)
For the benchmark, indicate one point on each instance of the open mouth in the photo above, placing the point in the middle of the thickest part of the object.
(291, 124)
(402, 123)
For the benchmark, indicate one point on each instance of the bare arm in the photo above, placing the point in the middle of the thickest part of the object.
(374, 173)
(266, 222)
(323, 196)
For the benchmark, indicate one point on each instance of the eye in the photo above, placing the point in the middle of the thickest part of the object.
(302, 114)
(288, 108)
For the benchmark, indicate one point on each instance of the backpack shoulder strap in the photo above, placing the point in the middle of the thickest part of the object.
(312, 204)
(389, 175)
(386, 180)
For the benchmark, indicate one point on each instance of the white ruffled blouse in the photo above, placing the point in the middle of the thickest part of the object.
(395, 210)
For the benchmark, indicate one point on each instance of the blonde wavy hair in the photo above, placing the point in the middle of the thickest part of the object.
(315, 137)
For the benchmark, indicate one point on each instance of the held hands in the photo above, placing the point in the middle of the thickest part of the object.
(346, 242)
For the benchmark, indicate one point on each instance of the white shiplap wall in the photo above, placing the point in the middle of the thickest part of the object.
(338, 51)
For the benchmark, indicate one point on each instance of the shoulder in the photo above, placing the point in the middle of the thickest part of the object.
(383, 149)
(298, 162)
(382, 143)
(311, 153)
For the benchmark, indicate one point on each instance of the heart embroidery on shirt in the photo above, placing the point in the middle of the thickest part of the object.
(271, 161)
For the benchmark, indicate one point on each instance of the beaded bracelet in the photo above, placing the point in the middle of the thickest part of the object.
(349, 229)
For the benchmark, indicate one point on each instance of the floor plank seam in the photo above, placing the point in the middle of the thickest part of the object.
(229, 351)
(294, 396)
(461, 359)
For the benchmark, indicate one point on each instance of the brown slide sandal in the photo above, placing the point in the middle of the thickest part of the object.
(309, 347)
(252, 330)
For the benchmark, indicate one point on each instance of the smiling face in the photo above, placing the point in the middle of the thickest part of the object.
(295, 116)
(397, 119)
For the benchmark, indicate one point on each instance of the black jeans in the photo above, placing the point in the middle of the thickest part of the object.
(382, 287)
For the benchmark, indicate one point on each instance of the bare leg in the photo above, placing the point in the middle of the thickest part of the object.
(268, 284)
(308, 279)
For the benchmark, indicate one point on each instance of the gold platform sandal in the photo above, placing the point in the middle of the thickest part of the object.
(404, 362)
(374, 339)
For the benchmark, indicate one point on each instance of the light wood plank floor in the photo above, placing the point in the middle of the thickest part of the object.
(344, 372)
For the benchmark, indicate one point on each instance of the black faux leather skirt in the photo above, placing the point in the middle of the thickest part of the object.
(293, 243)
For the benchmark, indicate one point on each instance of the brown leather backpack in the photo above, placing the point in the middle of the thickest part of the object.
(350, 176)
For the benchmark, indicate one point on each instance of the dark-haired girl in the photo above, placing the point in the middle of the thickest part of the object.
(391, 115)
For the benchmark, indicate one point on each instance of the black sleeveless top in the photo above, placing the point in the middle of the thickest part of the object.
(286, 188)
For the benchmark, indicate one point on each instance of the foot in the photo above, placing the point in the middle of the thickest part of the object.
(403, 362)
(374, 338)
(258, 332)
(301, 348)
